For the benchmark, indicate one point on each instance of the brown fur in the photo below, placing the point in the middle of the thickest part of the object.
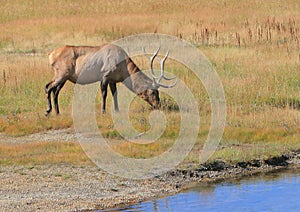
(108, 64)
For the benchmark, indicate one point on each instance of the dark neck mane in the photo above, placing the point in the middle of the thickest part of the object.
(131, 66)
(140, 81)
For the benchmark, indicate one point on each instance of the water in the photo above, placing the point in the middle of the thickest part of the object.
(277, 191)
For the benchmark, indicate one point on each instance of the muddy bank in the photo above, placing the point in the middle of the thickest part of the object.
(71, 188)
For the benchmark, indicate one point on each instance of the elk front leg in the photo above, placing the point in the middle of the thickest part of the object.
(113, 89)
(103, 85)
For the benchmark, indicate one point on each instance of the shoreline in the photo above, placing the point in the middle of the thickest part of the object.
(66, 187)
(220, 171)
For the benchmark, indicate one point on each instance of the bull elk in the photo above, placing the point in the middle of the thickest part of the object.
(108, 64)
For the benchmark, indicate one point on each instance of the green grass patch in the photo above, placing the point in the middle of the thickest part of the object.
(255, 52)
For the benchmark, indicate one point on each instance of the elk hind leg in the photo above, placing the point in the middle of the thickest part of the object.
(55, 96)
(49, 88)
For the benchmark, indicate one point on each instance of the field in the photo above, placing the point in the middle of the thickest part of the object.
(253, 45)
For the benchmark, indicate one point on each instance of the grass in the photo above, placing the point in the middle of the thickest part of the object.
(254, 47)
(33, 153)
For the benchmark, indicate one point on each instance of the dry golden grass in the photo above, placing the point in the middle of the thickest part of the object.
(43, 153)
(253, 45)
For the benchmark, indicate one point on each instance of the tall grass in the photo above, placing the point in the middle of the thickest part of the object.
(254, 47)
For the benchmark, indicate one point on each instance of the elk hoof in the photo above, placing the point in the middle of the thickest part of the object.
(47, 112)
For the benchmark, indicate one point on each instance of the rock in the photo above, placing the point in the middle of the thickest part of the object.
(217, 165)
(278, 161)
(255, 163)
(242, 164)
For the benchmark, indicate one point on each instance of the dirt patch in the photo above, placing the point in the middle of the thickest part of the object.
(50, 135)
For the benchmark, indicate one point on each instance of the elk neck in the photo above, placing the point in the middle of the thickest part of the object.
(139, 81)
(131, 66)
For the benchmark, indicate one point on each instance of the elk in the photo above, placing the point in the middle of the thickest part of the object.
(108, 64)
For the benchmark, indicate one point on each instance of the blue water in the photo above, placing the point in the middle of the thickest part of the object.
(269, 192)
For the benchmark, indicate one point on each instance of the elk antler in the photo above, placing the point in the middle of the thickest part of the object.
(162, 71)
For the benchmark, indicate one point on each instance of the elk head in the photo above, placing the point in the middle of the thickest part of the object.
(151, 95)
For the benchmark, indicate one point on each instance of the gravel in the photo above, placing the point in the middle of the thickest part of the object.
(65, 187)
(70, 188)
